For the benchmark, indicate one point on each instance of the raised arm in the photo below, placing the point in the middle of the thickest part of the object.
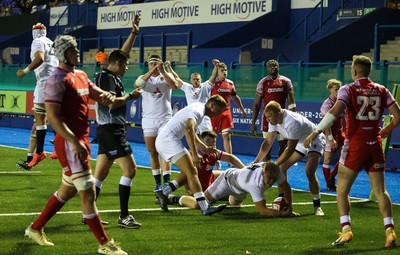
(172, 71)
(169, 78)
(214, 73)
(132, 36)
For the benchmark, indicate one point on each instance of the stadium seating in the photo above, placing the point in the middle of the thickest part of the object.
(389, 51)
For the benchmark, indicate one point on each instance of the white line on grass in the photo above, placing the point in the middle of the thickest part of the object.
(158, 209)
(20, 172)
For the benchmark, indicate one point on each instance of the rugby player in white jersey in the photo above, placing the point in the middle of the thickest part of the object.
(43, 63)
(295, 128)
(169, 145)
(157, 87)
(253, 180)
(197, 91)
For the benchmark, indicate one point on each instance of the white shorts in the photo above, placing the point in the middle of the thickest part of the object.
(38, 94)
(220, 188)
(170, 148)
(204, 125)
(317, 145)
(151, 127)
(81, 181)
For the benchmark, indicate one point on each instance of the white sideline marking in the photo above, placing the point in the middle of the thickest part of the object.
(158, 209)
(20, 172)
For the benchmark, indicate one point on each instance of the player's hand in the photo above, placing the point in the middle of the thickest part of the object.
(20, 73)
(136, 93)
(197, 159)
(287, 212)
(253, 130)
(106, 98)
(307, 142)
(81, 150)
(135, 24)
(167, 63)
(211, 150)
(333, 144)
(161, 67)
(215, 62)
(294, 214)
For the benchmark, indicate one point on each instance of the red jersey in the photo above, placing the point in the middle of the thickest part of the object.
(71, 91)
(365, 101)
(225, 88)
(205, 173)
(273, 90)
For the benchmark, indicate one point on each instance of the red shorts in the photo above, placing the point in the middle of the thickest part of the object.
(357, 155)
(222, 121)
(66, 154)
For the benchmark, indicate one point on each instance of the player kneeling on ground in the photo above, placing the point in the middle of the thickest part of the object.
(236, 183)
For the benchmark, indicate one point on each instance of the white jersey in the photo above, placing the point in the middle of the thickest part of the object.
(175, 127)
(156, 98)
(50, 62)
(200, 94)
(293, 127)
(249, 180)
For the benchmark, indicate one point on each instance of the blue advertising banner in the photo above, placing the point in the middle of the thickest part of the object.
(310, 110)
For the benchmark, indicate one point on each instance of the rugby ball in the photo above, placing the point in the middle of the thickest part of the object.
(280, 204)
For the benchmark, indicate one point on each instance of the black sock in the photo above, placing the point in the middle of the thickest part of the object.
(157, 178)
(124, 194)
(172, 186)
(97, 193)
(317, 203)
(175, 199)
(40, 136)
(167, 178)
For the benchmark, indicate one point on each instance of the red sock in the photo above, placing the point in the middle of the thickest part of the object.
(52, 207)
(389, 226)
(327, 173)
(97, 228)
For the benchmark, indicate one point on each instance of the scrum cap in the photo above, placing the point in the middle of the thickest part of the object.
(62, 44)
(38, 30)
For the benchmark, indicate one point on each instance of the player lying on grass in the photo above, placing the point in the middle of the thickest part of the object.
(237, 183)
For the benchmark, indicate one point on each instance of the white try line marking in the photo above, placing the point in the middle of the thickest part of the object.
(173, 208)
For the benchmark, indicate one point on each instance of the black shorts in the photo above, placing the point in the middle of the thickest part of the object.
(112, 141)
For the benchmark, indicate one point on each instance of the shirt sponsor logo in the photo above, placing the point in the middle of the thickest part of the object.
(82, 92)
(274, 90)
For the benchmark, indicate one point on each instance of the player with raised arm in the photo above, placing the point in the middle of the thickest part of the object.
(157, 85)
(110, 132)
(197, 91)
(223, 123)
(364, 102)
